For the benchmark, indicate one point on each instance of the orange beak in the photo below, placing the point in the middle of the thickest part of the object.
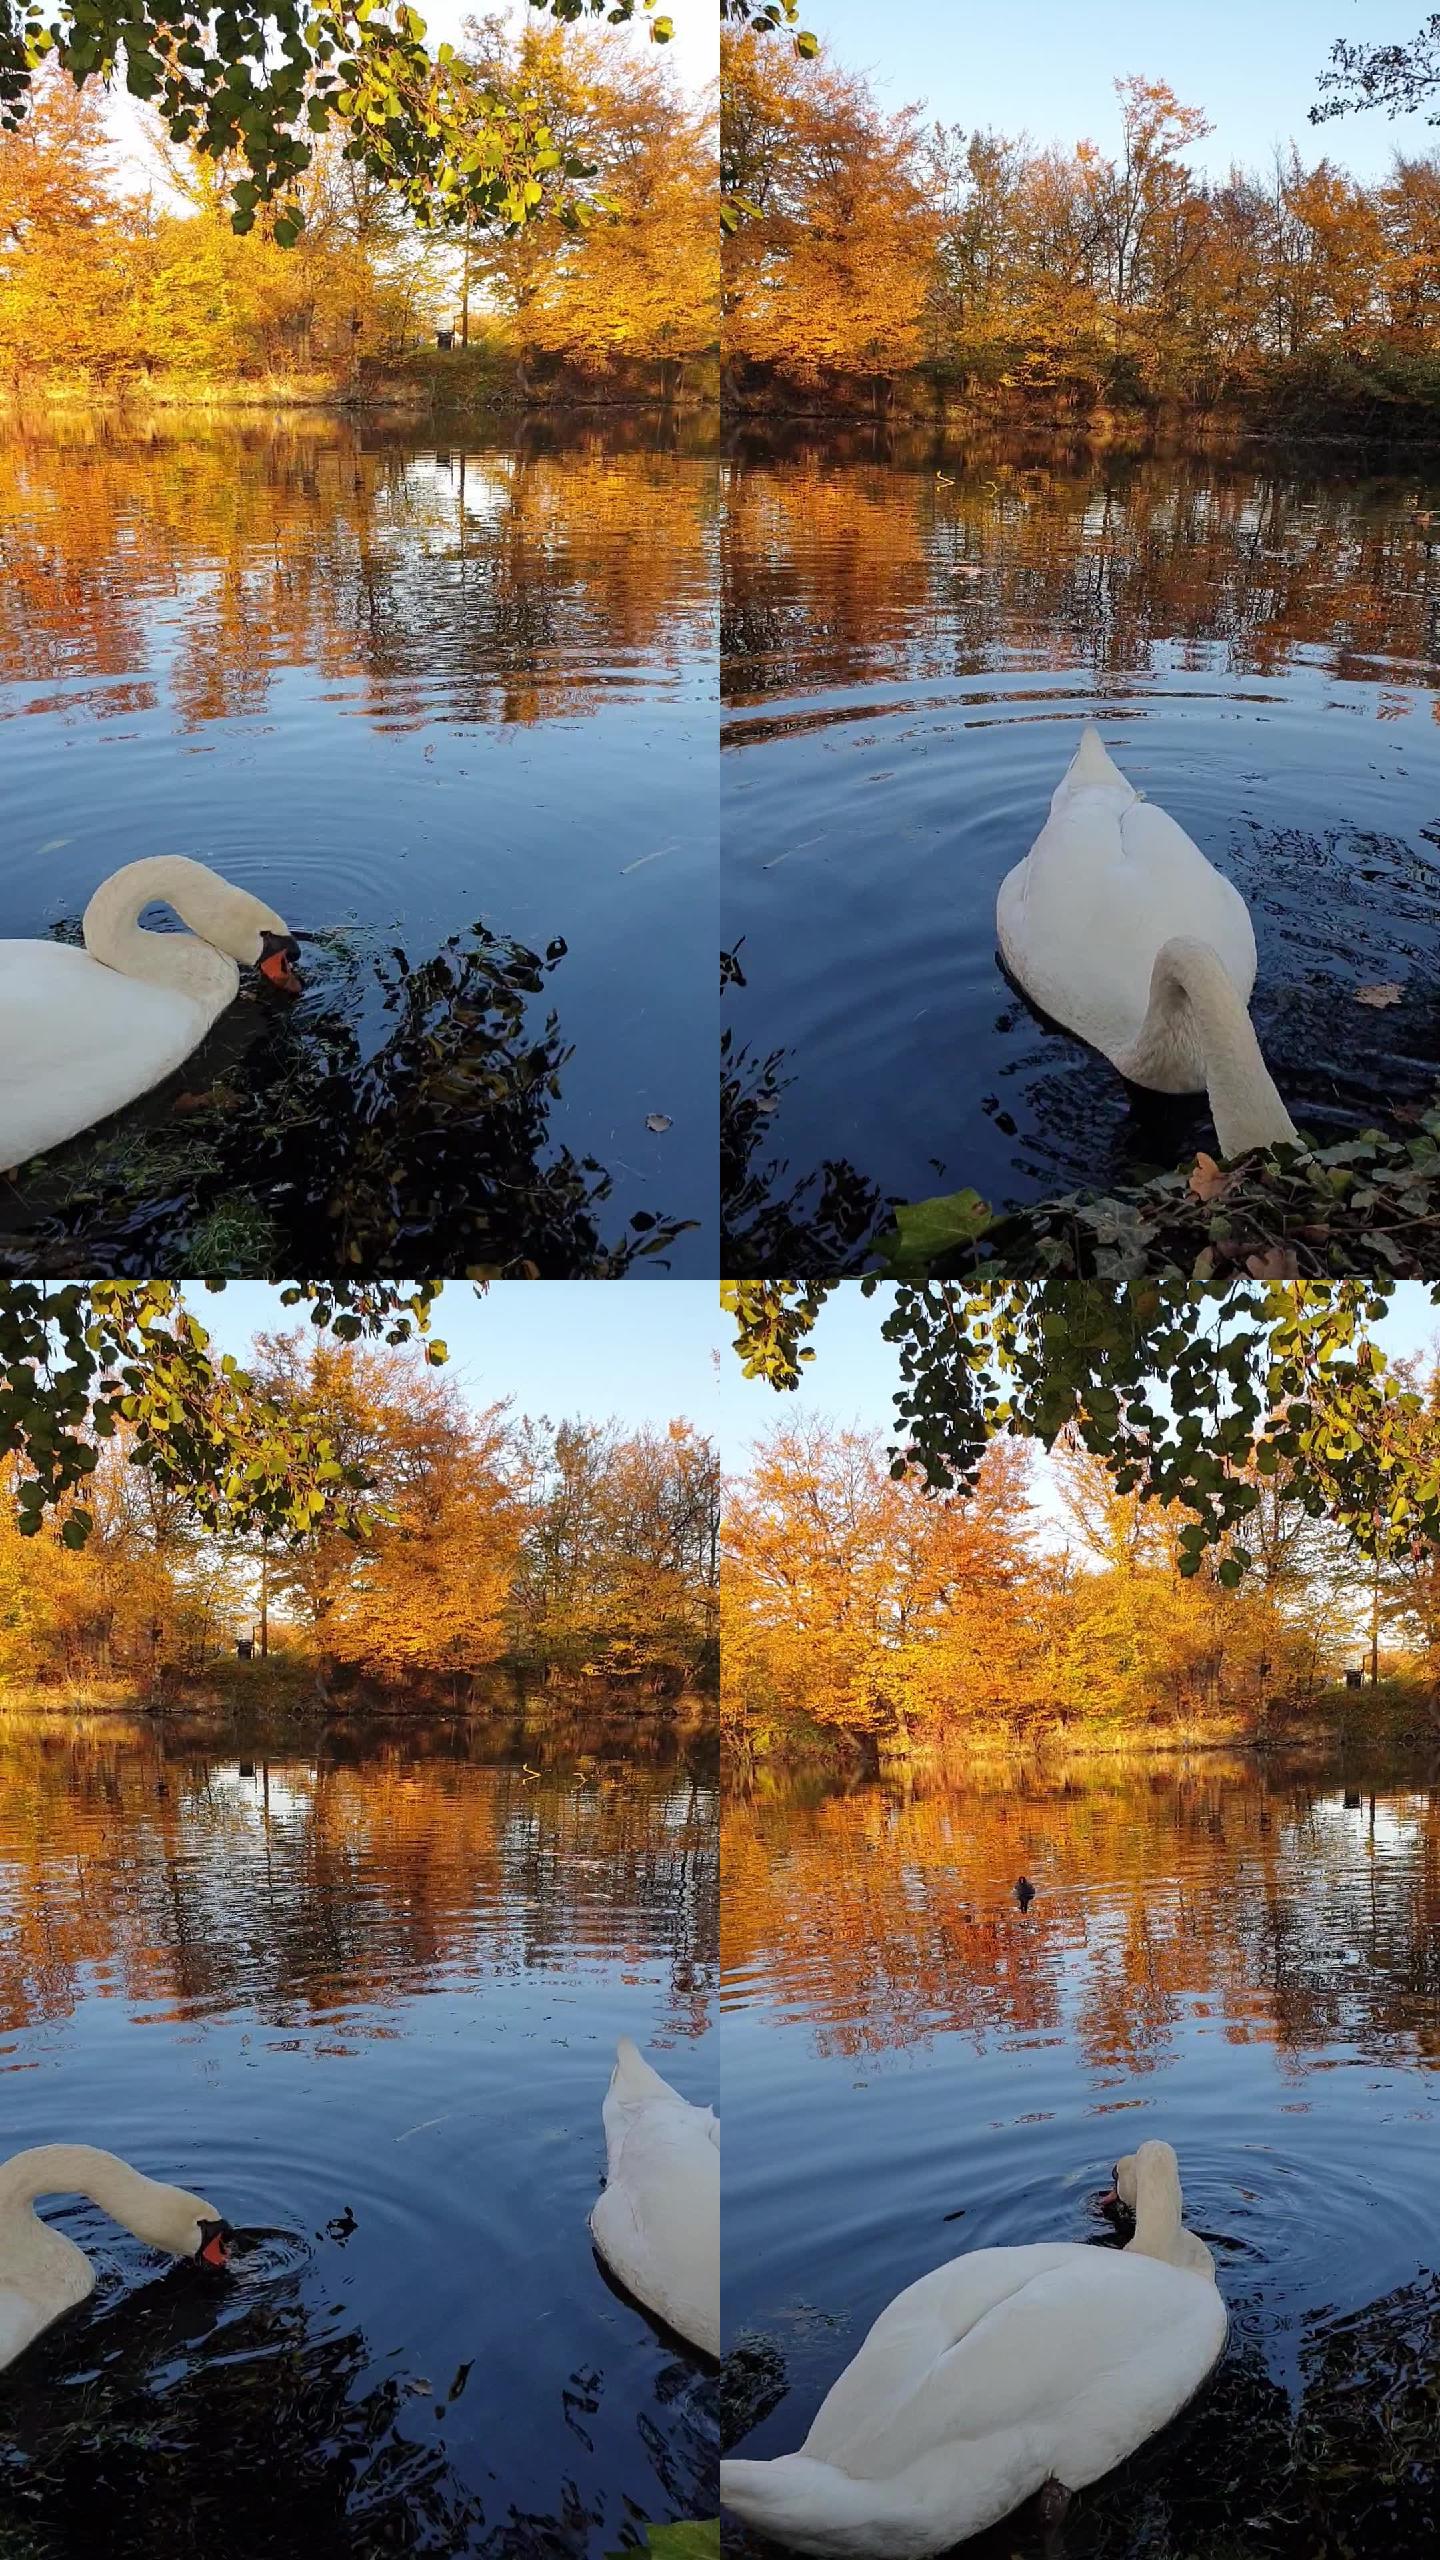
(277, 969)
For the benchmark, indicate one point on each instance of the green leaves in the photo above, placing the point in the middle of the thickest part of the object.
(255, 79)
(76, 1360)
(926, 1229)
(1190, 1399)
(771, 1318)
(692, 2541)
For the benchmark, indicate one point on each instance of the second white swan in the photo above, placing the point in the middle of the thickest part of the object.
(1117, 926)
(42, 2274)
(657, 2224)
(1003, 2373)
(84, 1032)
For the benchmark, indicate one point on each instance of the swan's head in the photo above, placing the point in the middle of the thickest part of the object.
(278, 955)
(1125, 2185)
(1154, 2164)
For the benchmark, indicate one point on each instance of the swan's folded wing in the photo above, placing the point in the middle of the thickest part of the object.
(886, 2385)
(78, 1041)
(1076, 2357)
(657, 2224)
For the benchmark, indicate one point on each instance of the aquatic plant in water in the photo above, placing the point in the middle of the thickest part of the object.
(431, 1150)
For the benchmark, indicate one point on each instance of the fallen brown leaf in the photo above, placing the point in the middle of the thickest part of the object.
(1378, 995)
(1209, 1181)
(1276, 1263)
(217, 1098)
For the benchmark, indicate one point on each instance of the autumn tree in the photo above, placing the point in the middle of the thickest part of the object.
(618, 1567)
(987, 263)
(859, 1602)
(644, 284)
(830, 273)
(255, 82)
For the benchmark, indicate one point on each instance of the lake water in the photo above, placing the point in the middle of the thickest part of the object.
(364, 1998)
(911, 648)
(1239, 1959)
(398, 688)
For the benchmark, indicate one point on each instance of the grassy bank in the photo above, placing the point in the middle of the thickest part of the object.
(1399, 1713)
(460, 382)
(1331, 396)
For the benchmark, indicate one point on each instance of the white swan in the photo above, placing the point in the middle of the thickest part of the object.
(84, 1032)
(657, 2224)
(1117, 926)
(1002, 2373)
(42, 2273)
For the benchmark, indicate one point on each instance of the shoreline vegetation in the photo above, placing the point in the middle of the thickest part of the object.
(133, 286)
(1360, 1727)
(500, 1560)
(875, 1627)
(890, 268)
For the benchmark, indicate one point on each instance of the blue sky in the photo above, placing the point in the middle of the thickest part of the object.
(586, 1348)
(1045, 67)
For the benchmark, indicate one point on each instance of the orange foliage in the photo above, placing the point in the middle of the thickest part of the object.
(876, 245)
(577, 1549)
(857, 1603)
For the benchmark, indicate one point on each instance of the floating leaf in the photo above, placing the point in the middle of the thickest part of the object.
(1379, 996)
(927, 1228)
(693, 2541)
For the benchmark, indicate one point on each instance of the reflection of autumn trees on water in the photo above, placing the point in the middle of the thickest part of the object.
(320, 1892)
(570, 1860)
(874, 569)
(1299, 1919)
(483, 586)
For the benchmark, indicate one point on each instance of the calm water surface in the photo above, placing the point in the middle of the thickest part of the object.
(911, 651)
(1241, 1961)
(397, 688)
(365, 1999)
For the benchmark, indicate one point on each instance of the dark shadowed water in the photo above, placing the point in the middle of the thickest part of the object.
(911, 651)
(1241, 1960)
(397, 688)
(364, 1999)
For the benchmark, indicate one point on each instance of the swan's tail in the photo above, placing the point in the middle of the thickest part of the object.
(633, 2080)
(1091, 763)
(1196, 1011)
(807, 2505)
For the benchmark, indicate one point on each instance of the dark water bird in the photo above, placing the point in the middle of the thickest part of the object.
(1024, 1893)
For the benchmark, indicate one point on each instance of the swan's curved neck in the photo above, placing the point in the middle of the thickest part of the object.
(77, 2168)
(1192, 993)
(190, 963)
(1158, 2223)
(1160, 2216)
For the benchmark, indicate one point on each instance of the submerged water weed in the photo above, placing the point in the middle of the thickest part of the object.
(296, 2436)
(808, 1226)
(431, 1148)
